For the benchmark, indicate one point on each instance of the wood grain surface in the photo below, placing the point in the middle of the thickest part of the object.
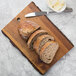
(11, 31)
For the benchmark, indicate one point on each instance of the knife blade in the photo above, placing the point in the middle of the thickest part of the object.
(33, 14)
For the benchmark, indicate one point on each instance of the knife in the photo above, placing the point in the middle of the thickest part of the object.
(33, 14)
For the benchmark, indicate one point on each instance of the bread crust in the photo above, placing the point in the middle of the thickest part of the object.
(51, 52)
(26, 28)
(39, 40)
(35, 35)
(45, 46)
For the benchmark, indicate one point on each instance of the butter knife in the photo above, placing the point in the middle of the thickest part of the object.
(33, 14)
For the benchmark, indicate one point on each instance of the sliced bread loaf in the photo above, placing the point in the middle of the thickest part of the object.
(41, 40)
(34, 36)
(26, 28)
(48, 51)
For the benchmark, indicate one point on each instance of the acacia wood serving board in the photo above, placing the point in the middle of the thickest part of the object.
(11, 31)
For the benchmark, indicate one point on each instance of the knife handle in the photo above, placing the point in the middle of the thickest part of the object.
(66, 10)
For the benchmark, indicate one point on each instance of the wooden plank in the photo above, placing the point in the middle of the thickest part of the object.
(11, 32)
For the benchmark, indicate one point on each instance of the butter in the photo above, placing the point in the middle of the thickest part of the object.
(56, 4)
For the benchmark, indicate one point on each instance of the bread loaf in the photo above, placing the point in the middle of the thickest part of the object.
(26, 28)
(48, 51)
(34, 36)
(41, 40)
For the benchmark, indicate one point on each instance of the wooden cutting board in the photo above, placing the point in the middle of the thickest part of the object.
(11, 31)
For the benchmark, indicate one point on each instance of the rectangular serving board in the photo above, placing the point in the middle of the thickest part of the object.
(11, 31)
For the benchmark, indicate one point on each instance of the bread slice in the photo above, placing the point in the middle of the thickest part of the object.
(48, 51)
(34, 36)
(26, 28)
(41, 40)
